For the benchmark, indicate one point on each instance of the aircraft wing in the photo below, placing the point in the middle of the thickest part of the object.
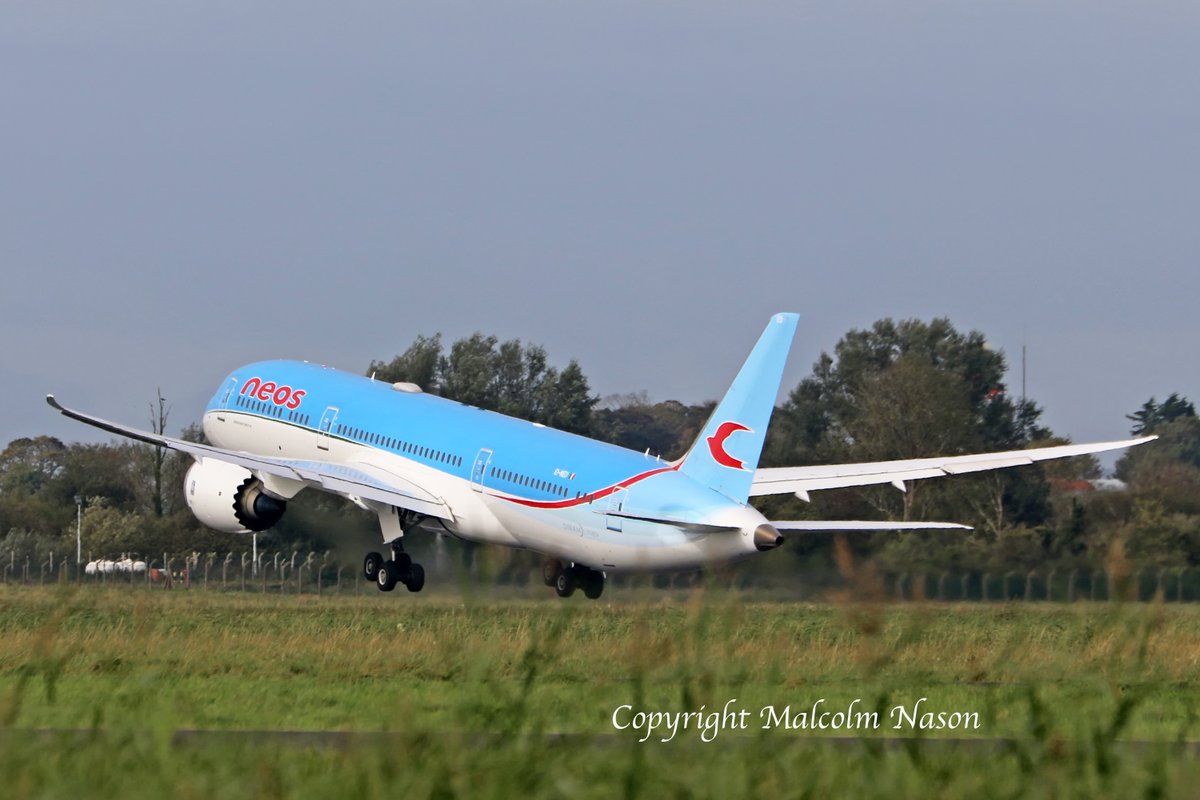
(347, 481)
(802, 480)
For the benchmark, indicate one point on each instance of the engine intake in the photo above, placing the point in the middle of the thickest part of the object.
(228, 498)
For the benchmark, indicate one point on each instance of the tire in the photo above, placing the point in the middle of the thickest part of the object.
(416, 578)
(593, 585)
(371, 565)
(404, 564)
(564, 585)
(386, 578)
(551, 570)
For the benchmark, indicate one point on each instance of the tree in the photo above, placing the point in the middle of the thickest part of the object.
(666, 429)
(912, 389)
(519, 374)
(31, 472)
(565, 401)
(418, 364)
(158, 455)
(508, 377)
(906, 409)
(28, 465)
(1152, 416)
(1086, 467)
(468, 373)
(1178, 430)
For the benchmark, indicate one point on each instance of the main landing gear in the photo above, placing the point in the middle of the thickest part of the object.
(566, 580)
(400, 568)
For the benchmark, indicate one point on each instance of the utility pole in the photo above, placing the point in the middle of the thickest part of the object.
(1022, 373)
(1023, 363)
(78, 531)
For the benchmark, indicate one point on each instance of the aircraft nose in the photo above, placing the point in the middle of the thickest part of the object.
(766, 538)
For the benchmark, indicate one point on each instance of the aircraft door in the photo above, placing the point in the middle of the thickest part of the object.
(479, 471)
(229, 388)
(325, 426)
(616, 503)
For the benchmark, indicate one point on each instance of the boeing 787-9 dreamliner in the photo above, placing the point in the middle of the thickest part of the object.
(279, 427)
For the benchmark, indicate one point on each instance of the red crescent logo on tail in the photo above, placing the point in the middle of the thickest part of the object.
(716, 444)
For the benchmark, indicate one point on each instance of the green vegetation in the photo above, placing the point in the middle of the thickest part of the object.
(452, 696)
(896, 389)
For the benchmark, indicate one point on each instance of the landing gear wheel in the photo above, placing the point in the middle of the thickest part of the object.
(371, 565)
(551, 570)
(387, 577)
(593, 585)
(564, 584)
(416, 578)
(404, 565)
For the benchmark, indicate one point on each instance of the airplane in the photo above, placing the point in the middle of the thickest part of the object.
(591, 508)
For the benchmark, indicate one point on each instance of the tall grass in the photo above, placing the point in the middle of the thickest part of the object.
(455, 697)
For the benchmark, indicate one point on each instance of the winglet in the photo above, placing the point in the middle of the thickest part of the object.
(105, 425)
(726, 454)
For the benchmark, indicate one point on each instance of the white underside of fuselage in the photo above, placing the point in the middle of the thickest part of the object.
(580, 534)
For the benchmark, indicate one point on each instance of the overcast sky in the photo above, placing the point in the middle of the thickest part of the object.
(637, 185)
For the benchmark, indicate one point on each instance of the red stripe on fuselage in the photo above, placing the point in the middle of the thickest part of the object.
(587, 498)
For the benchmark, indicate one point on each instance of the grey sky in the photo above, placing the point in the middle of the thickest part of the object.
(636, 185)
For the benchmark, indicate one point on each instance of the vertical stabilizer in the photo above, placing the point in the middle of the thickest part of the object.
(726, 454)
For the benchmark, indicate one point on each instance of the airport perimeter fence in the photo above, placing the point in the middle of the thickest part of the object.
(318, 573)
(1170, 584)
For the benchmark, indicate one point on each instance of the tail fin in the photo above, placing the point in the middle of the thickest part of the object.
(726, 454)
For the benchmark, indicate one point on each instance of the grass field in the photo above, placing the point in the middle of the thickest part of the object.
(471, 697)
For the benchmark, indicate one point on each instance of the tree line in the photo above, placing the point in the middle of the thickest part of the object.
(898, 389)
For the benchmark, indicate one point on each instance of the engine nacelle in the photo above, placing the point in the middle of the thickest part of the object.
(228, 498)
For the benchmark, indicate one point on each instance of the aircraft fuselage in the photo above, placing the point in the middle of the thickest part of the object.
(506, 481)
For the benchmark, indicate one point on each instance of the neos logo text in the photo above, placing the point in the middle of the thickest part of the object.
(270, 392)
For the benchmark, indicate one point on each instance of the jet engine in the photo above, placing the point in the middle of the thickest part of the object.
(228, 498)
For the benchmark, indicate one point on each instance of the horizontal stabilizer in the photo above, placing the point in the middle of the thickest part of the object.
(835, 525)
(684, 524)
